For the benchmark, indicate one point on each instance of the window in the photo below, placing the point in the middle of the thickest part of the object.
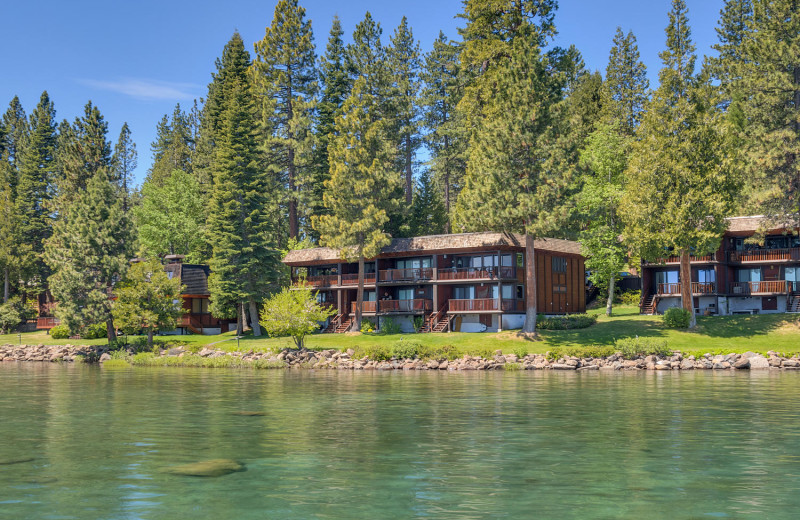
(748, 275)
(505, 260)
(405, 294)
(199, 306)
(667, 277)
(508, 292)
(706, 276)
(464, 293)
(559, 264)
(520, 260)
(520, 292)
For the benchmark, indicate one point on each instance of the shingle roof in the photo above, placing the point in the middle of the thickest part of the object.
(195, 278)
(454, 242)
(754, 223)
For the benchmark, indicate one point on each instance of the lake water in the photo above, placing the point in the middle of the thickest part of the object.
(398, 445)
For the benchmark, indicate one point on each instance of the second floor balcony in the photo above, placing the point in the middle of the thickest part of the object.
(486, 305)
(762, 287)
(674, 289)
(764, 255)
(415, 306)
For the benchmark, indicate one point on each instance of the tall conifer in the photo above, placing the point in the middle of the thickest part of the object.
(124, 161)
(626, 84)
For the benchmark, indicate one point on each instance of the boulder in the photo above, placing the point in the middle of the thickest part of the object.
(758, 362)
(207, 468)
(563, 366)
(105, 357)
(742, 364)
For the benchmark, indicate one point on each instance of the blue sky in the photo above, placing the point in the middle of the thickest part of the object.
(136, 60)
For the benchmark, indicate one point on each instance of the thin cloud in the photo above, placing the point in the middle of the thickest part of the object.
(145, 89)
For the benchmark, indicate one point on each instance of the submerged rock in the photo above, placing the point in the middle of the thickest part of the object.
(20, 460)
(207, 468)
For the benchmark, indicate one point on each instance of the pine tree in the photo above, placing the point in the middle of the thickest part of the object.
(771, 109)
(37, 172)
(360, 196)
(511, 184)
(90, 245)
(245, 263)
(14, 133)
(678, 189)
(446, 135)
(734, 27)
(335, 83)
(174, 146)
(124, 161)
(286, 86)
(428, 216)
(366, 58)
(626, 84)
(404, 64)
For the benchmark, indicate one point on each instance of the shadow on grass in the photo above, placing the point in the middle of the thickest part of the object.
(745, 325)
(605, 332)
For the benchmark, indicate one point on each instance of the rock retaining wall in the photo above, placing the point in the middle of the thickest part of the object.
(334, 359)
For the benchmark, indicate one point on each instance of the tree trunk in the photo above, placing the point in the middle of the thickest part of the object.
(530, 285)
(610, 301)
(294, 223)
(239, 320)
(686, 286)
(447, 202)
(111, 332)
(359, 294)
(409, 186)
(6, 286)
(254, 317)
(150, 338)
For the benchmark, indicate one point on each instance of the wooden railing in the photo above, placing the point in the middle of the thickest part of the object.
(697, 288)
(352, 279)
(474, 273)
(416, 305)
(46, 323)
(771, 286)
(406, 275)
(692, 258)
(486, 305)
(365, 306)
(325, 280)
(669, 288)
(764, 255)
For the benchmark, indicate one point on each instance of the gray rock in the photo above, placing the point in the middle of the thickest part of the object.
(563, 366)
(790, 363)
(207, 468)
(105, 357)
(742, 364)
(589, 367)
(758, 362)
(687, 364)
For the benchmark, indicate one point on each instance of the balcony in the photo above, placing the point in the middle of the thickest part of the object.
(395, 306)
(327, 280)
(474, 273)
(486, 305)
(768, 287)
(764, 255)
(674, 289)
(352, 279)
(406, 275)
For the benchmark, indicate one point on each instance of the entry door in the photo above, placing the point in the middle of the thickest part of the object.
(769, 303)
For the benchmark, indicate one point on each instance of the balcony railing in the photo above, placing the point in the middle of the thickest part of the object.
(697, 288)
(486, 305)
(365, 307)
(352, 279)
(406, 275)
(416, 305)
(768, 287)
(669, 288)
(46, 323)
(692, 258)
(325, 280)
(474, 273)
(764, 255)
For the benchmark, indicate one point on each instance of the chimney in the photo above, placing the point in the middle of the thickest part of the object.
(174, 259)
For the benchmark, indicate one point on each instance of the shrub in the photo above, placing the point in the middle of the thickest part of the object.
(374, 352)
(512, 367)
(677, 318)
(405, 349)
(572, 321)
(520, 351)
(630, 297)
(390, 327)
(419, 321)
(591, 351)
(367, 326)
(631, 348)
(59, 332)
(116, 363)
(10, 318)
(96, 331)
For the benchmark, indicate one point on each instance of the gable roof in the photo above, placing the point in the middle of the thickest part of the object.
(440, 244)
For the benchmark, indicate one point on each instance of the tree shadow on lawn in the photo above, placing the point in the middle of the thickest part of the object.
(746, 325)
(605, 332)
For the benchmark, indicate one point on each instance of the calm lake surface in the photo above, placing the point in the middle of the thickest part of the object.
(398, 445)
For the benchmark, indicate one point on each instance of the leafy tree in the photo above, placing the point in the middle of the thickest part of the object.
(428, 215)
(90, 245)
(124, 161)
(404, 63)
(294, 312)
(605, 156)
(147, 300)
(511, 184)
(286, 86)
(446, 137)
(245, 265)
(360, 195)
(169, 219)
(678, 190)
(626, 84)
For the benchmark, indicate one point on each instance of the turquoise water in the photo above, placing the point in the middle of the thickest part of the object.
(398, 445)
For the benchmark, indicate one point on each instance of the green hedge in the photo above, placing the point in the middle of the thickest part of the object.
(571, 321)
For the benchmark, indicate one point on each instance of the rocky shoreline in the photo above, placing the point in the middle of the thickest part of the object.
(334, 359)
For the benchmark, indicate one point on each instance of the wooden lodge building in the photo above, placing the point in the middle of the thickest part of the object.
(466, 282)
(739, 278)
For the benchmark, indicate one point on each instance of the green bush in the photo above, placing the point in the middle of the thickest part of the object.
(405, 349)
(571, 321)
(96, 331)
(367, 326)
(390, 327)
(520, 351)
(677, 318)
(631, 348)
(419, 321)
(59, 332)
(512, 367)
(630, 297)
(374, 352)
(591, 351)
(10, 318)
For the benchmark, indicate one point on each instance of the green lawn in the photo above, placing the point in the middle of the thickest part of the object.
(759, 333)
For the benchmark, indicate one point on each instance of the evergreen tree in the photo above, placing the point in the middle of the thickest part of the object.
(90, 245)
(734, 27)
(37, 171)
(170, 218)
(446, 137)
(511, 182)
(366, 58)
(626, 84)
(335, 83)
(360, 196)
(124, 161)
(286, 86)
(404, 64)
(14, 132)
(428, 215)
(678, 189)
(771, 109)
(174, 146)
(245, 264)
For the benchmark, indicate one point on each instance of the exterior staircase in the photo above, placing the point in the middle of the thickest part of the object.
(344, 325)
(331, 328)
(649, 305)
(794, 302)
(443, 325)
(436, 322)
